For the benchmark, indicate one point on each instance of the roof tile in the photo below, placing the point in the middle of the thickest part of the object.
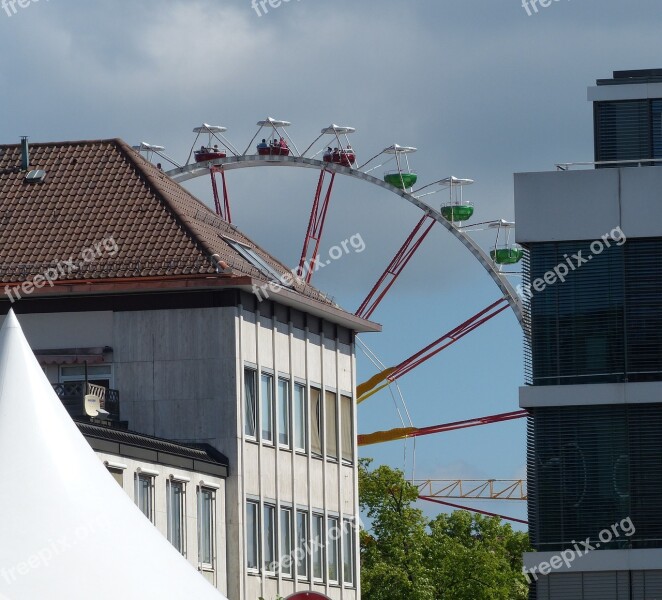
(95, 190)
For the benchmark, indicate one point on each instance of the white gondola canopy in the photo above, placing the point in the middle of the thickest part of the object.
(397, 149)
(273, 123)
(204, 128)
(337, 130)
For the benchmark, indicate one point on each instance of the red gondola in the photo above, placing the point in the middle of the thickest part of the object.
(208, 153)
(345, 157)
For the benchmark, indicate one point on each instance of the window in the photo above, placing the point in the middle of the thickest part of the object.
(206, 527)
(144, 494)
(250, 401)
(300, 418)
(284, 412)
(258, 262)
(252, 536)
(316, 421)
(176, 514)
(267, 404)
(333, 534)
(318, 546)
(347, 431)
(602, 324)
(285, 557)
(331, 401)
(348, 552)
(302, 544)
(269, 536)
(99, 374)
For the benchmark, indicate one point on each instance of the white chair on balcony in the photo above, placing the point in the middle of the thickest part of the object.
(95, 401)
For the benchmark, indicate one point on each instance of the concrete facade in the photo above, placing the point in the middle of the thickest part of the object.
(180, 374)
(127, 469)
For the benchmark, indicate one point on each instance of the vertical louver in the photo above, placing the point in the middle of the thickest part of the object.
(603, 324)
(591, 467)
(622, 130)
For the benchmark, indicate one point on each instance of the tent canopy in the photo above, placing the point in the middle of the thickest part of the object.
(67, 530)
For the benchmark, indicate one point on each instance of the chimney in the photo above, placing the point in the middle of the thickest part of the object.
(25, 153)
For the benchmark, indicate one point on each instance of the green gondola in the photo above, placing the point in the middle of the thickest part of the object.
(457, 212)
(507, 256)
(402, 181)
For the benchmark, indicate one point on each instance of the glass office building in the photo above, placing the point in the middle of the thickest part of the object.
(593, 355)
(627, 124)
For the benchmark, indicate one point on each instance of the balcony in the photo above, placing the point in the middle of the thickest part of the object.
(72, 395)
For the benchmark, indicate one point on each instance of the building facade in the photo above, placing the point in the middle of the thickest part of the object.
(179, 488)
(179, 327)
(593, 292)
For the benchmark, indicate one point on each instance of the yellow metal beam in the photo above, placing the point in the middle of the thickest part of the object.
(473, 489)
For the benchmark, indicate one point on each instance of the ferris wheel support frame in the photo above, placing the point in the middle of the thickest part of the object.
(222, 210)
(316, 226)
(395, 267)
(192, 171)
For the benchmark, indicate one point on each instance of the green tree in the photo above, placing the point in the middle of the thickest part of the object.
(393, 553)
(459, 556)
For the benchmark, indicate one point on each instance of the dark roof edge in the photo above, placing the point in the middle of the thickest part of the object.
(198, 452)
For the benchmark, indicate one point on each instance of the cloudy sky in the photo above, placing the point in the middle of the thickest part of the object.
(481, 88)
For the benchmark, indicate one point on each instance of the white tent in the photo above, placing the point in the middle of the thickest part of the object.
(67, 530)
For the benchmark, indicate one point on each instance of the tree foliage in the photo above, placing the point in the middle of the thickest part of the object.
(406, 556)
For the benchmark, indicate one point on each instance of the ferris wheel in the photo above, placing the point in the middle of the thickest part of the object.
(332, 154)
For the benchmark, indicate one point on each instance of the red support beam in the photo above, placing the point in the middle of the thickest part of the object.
(449, 338)
(222, 210)
(518, 414)
(401, 433)
(315, 226)
(474, 510)
(395, 267)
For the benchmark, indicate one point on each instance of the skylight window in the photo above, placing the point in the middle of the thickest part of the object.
(35, 176)
(257, 261)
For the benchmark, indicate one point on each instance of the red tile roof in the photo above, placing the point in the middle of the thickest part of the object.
(103, 190)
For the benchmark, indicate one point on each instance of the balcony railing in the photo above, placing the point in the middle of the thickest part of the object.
(72, 395)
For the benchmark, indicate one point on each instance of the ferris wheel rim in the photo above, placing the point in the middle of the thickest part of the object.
(194, 170)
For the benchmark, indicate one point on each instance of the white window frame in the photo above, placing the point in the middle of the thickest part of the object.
(331, 425)
(319, 546)
(296, 407)
(202, 493)
(316, 421)
(285, 562)
(347, 428)
(256, 401)
(268, 558)
(333, 548)
(349, 547)
(302, 538)
(138, 492)
(257, 523)
(287, 444)
(261, 413)
(170, 483)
